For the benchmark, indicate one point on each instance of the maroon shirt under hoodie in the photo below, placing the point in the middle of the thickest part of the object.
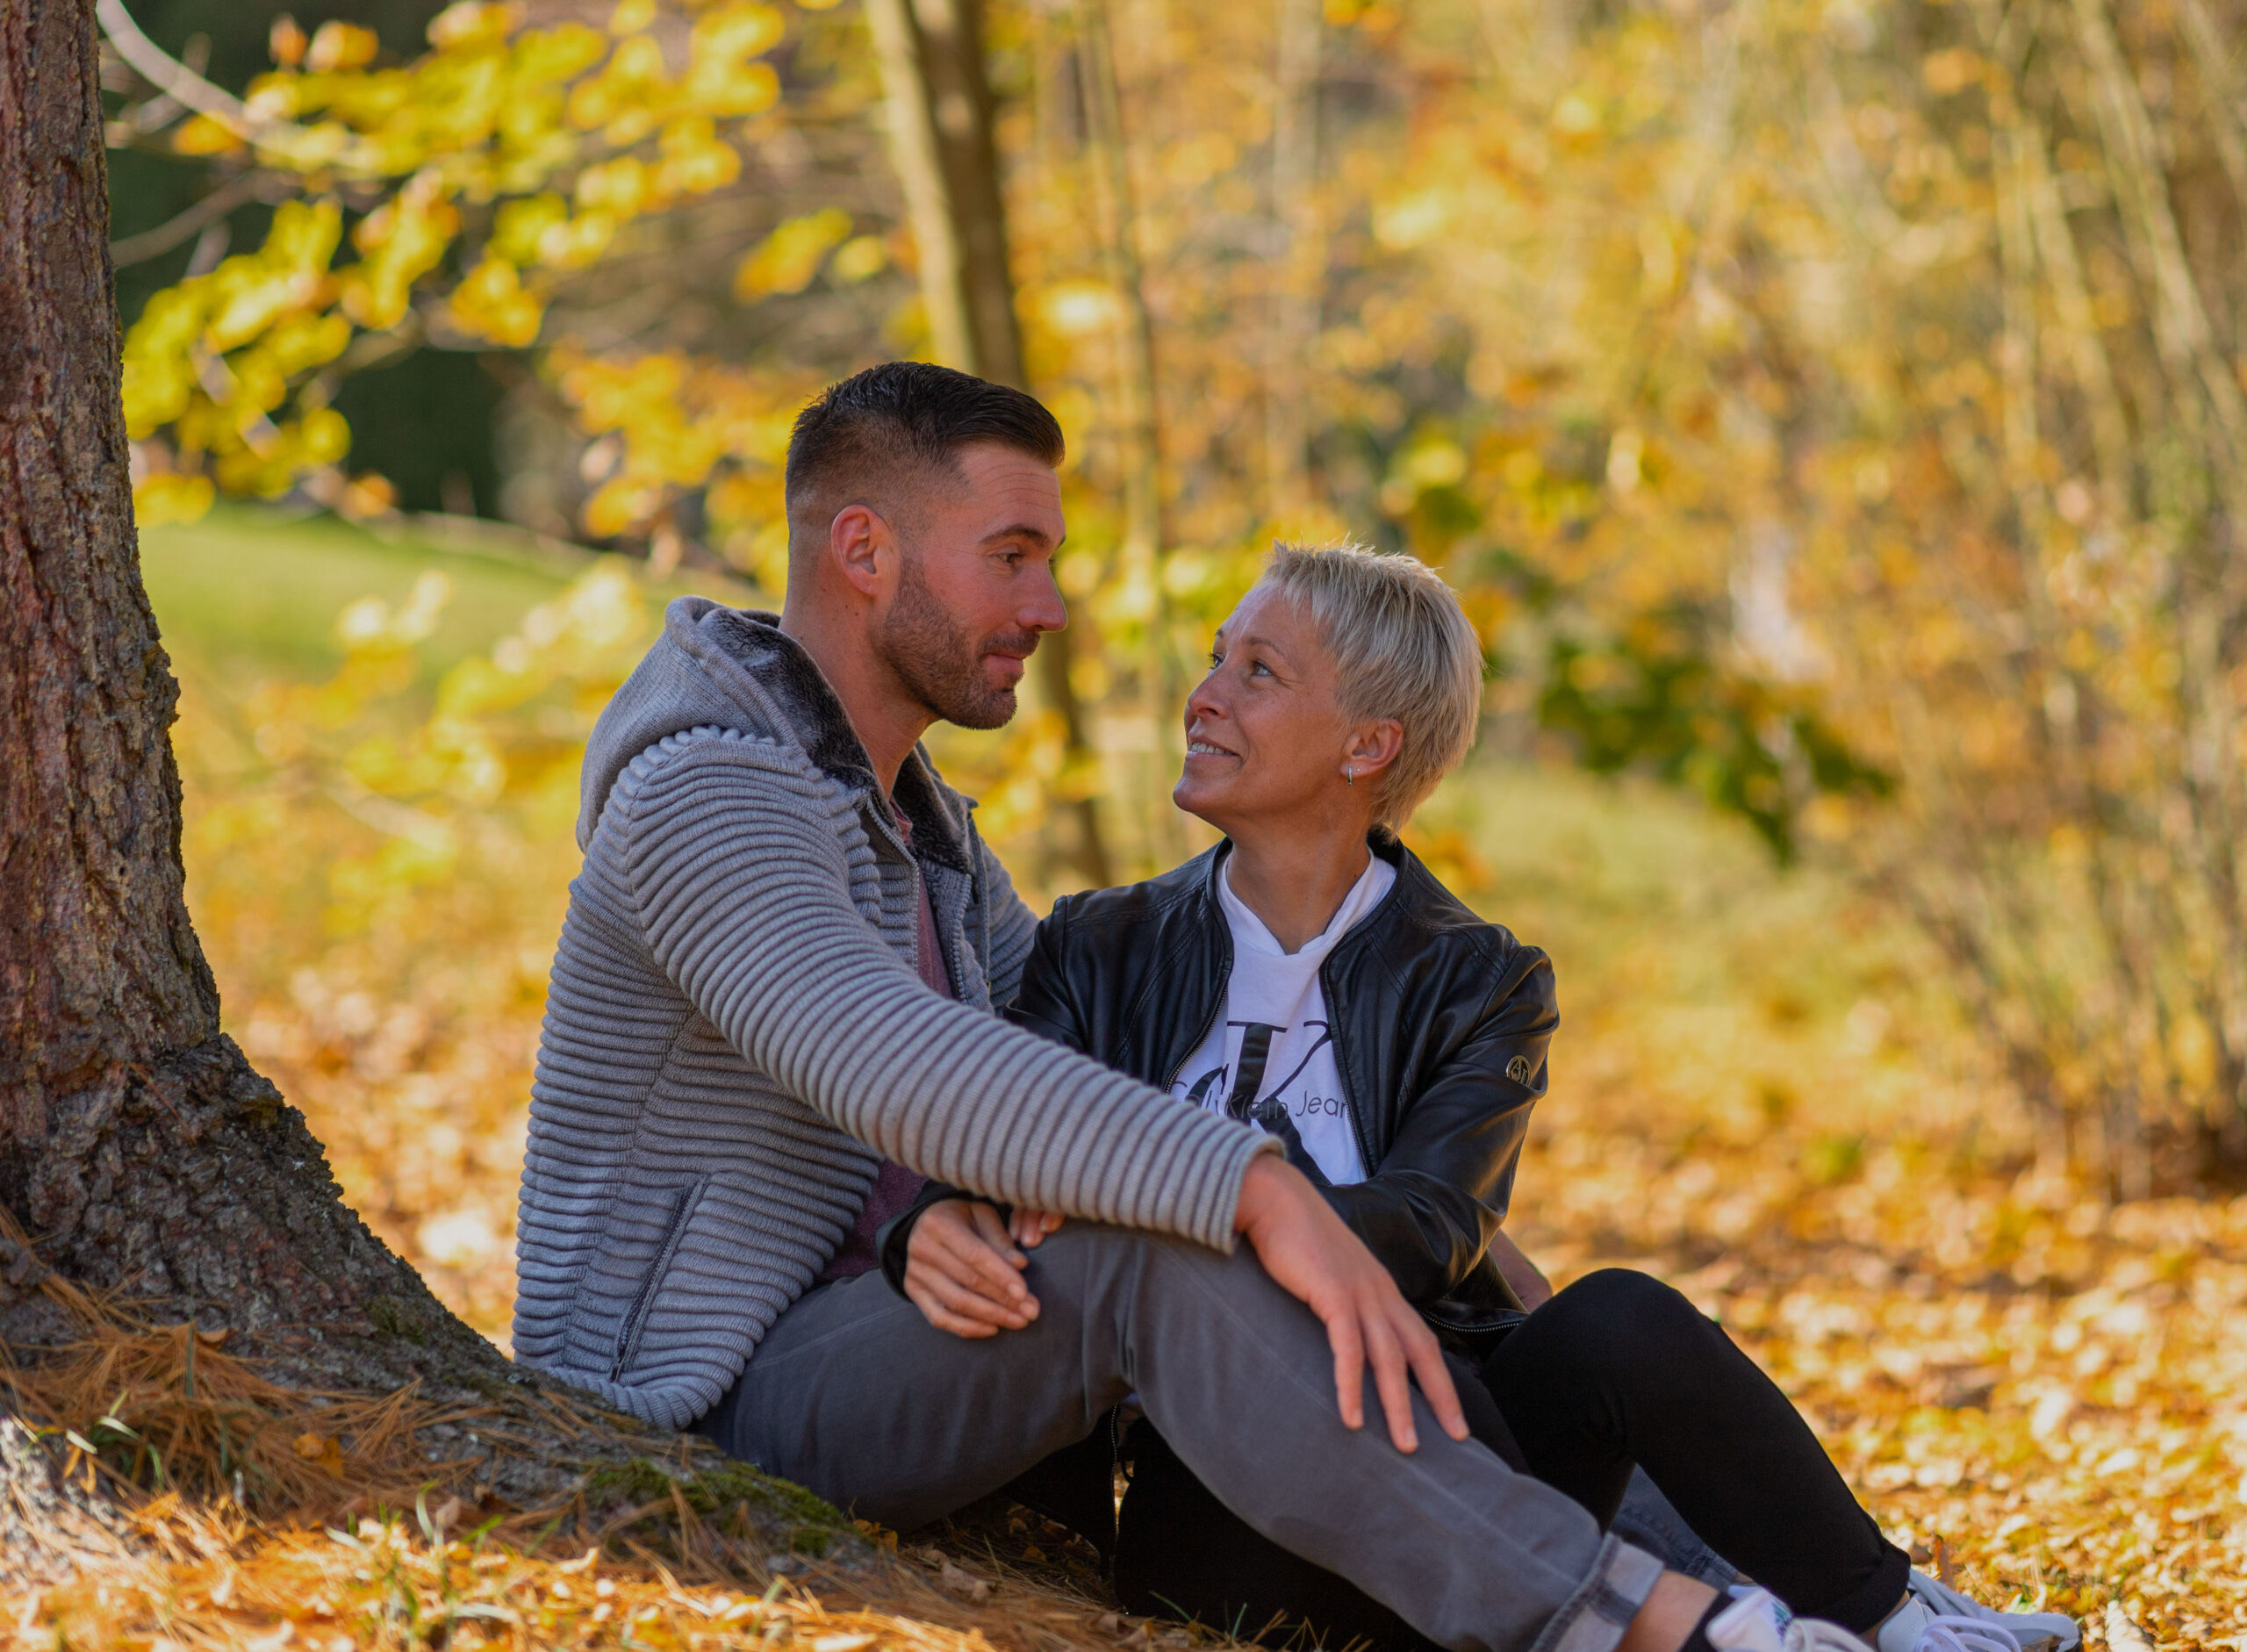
(894, 1186)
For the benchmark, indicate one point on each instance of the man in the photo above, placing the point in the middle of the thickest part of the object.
(770, 1019)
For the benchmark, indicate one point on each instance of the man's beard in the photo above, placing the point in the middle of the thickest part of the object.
(940, 664)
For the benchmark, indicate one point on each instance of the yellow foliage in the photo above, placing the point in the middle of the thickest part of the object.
(340, 45)
(473, 23)
(530, 118)
(202, 135)
(168, 497)
(686, 424)
(787, 259)
(858, 258)
(489, 303)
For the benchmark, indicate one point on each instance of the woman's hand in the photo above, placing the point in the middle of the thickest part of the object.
(1314, 1257)
(1027, 1227)
(962, 1270)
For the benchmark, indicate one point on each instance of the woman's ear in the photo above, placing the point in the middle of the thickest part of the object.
(1373, 747)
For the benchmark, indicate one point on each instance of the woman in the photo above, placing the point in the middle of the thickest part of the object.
(1310, 976)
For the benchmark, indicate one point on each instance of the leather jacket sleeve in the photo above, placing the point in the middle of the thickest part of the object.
(1430, 1208)
(1043, 1002)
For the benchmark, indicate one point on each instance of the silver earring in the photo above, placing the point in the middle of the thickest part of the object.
(1349, 775)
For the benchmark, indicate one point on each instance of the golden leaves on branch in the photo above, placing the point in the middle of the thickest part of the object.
(574, 134)
(668, 423)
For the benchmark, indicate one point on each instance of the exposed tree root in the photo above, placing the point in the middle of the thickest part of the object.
(116, 1421)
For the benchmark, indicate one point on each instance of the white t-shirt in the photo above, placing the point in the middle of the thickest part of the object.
(1274, 1032)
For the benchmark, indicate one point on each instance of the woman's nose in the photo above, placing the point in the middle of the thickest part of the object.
(1205, 700)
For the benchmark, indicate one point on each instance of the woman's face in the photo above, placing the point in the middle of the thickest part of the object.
(1265, 737)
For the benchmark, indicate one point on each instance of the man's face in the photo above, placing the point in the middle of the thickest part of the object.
(976, 587)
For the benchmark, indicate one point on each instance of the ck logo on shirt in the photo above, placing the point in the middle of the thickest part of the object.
(1256, 1054)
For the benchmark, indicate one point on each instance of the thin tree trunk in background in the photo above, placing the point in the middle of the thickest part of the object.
(940, 113)
(136, 1143)
(1146, 531)
(1297, 254)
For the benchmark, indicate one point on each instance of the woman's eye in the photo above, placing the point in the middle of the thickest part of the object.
(1215, 659)
(1255, 666)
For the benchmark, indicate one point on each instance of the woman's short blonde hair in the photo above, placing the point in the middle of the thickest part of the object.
(1403, 649)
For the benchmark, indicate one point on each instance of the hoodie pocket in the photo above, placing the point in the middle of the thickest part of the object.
(636, 1321)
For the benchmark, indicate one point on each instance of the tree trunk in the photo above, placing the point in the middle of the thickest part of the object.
(138, 1148)
(1297, 259)
(1146, 528)
(139, 1145)
(940, 111)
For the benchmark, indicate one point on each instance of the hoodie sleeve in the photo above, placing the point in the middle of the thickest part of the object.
(739, 869)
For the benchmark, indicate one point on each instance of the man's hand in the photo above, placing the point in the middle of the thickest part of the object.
(963, 1271)
(1315, 1258)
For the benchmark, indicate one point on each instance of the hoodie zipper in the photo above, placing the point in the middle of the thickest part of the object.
(628, 1334)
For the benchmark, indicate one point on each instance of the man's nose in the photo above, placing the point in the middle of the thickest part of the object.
(1044, 611)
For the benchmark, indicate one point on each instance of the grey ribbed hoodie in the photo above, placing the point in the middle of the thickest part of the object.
(736, 1034)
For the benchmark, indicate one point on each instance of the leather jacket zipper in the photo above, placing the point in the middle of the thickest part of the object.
(1208, 1020)
(1366, 1157)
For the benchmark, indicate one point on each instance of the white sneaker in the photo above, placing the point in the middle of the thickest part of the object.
(1916, 1626)
(1757, 1622)
(2034, 1631)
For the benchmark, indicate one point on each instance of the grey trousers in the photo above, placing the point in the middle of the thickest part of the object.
(854, 1395)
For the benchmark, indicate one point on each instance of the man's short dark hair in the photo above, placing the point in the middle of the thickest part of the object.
(909, 413)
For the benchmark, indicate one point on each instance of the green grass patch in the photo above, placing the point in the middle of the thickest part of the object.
(247, 594)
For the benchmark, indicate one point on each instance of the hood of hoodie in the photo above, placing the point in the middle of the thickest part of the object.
(716, 667)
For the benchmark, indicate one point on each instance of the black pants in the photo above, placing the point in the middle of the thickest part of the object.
(1617, 1369)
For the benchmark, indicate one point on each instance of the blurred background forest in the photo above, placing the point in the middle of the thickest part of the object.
(1833, 415)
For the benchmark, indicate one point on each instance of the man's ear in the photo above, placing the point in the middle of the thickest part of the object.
(863, 549)
(1374, 746)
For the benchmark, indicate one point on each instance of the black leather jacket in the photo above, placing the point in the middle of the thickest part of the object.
(1440, 1024)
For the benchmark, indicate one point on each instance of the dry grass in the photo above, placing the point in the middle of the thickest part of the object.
(401, 1586)
(1758, 1096)
(158, 1417)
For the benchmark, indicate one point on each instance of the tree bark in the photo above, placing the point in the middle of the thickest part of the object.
(139, 1150)
(940, 111)
(135, 1141)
